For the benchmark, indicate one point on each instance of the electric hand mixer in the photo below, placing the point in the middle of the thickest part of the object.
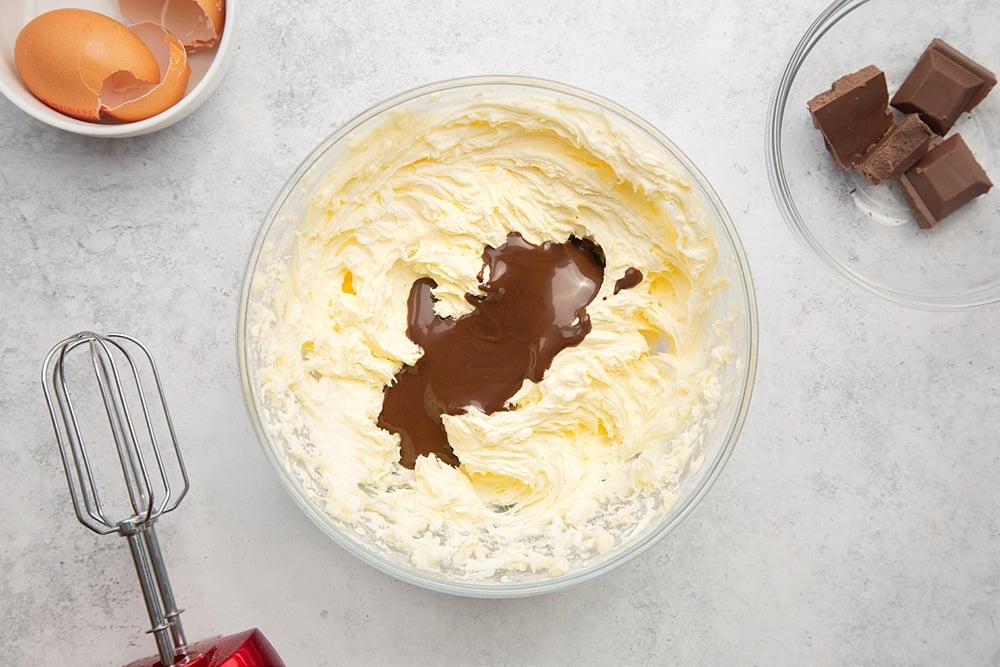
(132, 412)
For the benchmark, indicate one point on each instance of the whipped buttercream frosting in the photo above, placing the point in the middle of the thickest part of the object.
(585, 459)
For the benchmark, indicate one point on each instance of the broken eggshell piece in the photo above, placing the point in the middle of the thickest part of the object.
(173, 62)
(196, 23)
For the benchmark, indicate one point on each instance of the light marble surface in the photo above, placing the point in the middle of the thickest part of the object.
(858, 522)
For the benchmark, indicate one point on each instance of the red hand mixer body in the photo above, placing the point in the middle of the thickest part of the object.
(129, 410)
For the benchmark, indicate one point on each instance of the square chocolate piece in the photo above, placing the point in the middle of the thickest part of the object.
(942, 85)
(899, 149)
(946, 178)
(853, 115)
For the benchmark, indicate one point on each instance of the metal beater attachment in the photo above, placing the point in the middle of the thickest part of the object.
(122, 416)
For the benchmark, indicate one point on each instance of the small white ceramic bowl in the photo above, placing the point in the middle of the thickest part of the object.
(207, 69)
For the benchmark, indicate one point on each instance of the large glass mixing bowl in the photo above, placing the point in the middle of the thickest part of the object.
(733, 307)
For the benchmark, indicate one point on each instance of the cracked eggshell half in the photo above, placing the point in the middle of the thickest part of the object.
(173, 63)
(71, 59)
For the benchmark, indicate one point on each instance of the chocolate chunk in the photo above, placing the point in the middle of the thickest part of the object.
(853, 115)
(899, 149)
(946, 178)
(942, 85)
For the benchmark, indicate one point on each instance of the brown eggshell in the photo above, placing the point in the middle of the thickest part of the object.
(173, 62)
(197, 23)
(65, 56)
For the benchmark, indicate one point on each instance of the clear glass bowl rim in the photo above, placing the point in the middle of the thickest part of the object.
(713, 467)
(833, 14)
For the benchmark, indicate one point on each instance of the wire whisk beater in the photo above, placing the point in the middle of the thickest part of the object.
(124, 470)
(106, 402)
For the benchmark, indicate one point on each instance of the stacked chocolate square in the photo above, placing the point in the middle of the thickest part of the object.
(937, 175)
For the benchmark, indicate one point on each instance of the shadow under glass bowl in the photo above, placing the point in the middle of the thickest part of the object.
(277, 238)
(865, 232)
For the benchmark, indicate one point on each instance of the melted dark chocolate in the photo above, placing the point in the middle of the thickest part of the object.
(532, 306)
(632, 277)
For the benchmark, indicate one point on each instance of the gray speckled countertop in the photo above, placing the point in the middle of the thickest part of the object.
(858, 522)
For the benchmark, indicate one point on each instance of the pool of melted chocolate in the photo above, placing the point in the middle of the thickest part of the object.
(533, 304)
